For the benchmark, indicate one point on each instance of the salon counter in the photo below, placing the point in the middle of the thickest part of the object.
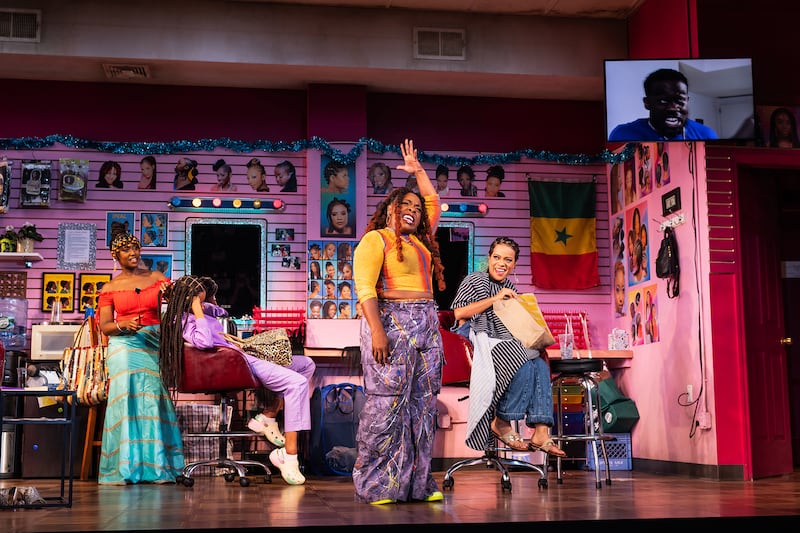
(613, 358)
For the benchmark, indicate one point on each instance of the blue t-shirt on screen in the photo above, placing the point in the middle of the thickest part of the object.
(640, 130)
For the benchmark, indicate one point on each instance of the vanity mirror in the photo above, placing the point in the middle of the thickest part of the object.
(232, 251)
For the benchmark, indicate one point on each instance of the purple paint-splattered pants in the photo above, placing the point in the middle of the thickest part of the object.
(398, 421)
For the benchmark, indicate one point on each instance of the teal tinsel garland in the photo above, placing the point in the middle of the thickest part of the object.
(208, 145)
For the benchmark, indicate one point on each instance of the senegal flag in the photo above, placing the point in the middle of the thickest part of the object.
(563, 240)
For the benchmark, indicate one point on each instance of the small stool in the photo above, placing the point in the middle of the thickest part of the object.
(93, 440)
(579, 372)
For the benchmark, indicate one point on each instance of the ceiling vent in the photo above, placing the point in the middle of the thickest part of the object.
(20, 25)
(126, 72)
(440, 43)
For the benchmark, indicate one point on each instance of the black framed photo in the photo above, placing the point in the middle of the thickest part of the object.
(671, 201)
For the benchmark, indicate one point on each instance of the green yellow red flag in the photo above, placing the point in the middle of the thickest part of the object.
(563, 234)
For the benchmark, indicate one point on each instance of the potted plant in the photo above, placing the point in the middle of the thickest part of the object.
(8, 240)
(26, 236)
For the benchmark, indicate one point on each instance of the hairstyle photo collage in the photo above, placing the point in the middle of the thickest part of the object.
(331, 292)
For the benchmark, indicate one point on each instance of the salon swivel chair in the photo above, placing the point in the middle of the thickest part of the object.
(222, 371)
(458, 352)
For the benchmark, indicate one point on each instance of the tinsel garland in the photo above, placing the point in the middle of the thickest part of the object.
(208, 145)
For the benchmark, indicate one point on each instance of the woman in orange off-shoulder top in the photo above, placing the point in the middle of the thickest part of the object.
(141, 437)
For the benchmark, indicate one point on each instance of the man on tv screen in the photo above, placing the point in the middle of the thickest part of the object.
(667, 99)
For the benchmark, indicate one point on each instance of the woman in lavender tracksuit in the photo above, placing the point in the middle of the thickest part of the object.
(191, 316)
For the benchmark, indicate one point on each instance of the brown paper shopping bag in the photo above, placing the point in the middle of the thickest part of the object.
(524, 319)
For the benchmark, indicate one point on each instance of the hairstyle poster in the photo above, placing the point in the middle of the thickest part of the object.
(153, 230)
(635, 315)
(89, 290)
(662, 164)
(122, 220)
(58, 287)
(650, 313)
(160, 262)
(637, 243)
(644, 156)
(331, 290)
(338, 218)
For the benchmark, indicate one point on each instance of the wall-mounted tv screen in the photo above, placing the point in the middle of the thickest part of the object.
(679, 99)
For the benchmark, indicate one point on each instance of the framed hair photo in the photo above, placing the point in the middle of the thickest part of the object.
(671, 201)
(89, 290)
(162, 262)
(58, 287)
(153, 230)
(124, 220)
(284, 234)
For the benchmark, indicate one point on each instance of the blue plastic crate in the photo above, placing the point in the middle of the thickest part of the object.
(619, 453)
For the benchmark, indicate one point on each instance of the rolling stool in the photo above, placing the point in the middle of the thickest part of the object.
(579, 372)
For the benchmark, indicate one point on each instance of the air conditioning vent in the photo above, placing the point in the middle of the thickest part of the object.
(20, 25)
(440, 43)
(127, 72)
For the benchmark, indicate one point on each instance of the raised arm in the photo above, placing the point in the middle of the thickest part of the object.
(411, 165)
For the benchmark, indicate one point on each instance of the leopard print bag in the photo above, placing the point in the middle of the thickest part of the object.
(272, 345)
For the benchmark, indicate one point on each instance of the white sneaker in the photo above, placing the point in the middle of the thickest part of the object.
(270, 430)
(290, 472)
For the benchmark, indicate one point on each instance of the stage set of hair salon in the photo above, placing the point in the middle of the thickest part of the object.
(678, 346)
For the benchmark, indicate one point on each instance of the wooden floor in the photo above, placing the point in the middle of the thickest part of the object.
(633, 499)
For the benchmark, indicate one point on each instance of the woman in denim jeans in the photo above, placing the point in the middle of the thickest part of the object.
(515, 381)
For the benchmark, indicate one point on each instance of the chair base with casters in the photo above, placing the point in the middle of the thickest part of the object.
(579, 372)
(494, 457)
(224, 371)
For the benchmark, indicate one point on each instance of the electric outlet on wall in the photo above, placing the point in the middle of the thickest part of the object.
(689, 394)
(704, 420)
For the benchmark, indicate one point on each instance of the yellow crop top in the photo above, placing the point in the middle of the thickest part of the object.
(375, 260)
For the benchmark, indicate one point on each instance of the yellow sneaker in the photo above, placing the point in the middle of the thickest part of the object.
(434, 497)
(382, 502)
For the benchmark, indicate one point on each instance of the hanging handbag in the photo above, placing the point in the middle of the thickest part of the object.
(524, 320)
(84, 364)
(272, 345)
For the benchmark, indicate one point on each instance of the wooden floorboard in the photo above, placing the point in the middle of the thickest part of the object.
(632, 499)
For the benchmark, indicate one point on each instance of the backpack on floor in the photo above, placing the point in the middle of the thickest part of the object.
(335, 410)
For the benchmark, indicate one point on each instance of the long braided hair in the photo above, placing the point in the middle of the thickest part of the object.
(178, 297)
(423, 232)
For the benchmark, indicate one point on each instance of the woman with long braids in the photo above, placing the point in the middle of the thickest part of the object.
(395, 264)
(191, 316)
(141, 437)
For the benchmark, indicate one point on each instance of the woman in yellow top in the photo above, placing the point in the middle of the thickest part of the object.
(395, 264)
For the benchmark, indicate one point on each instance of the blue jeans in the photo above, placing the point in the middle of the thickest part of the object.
(529, 395)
